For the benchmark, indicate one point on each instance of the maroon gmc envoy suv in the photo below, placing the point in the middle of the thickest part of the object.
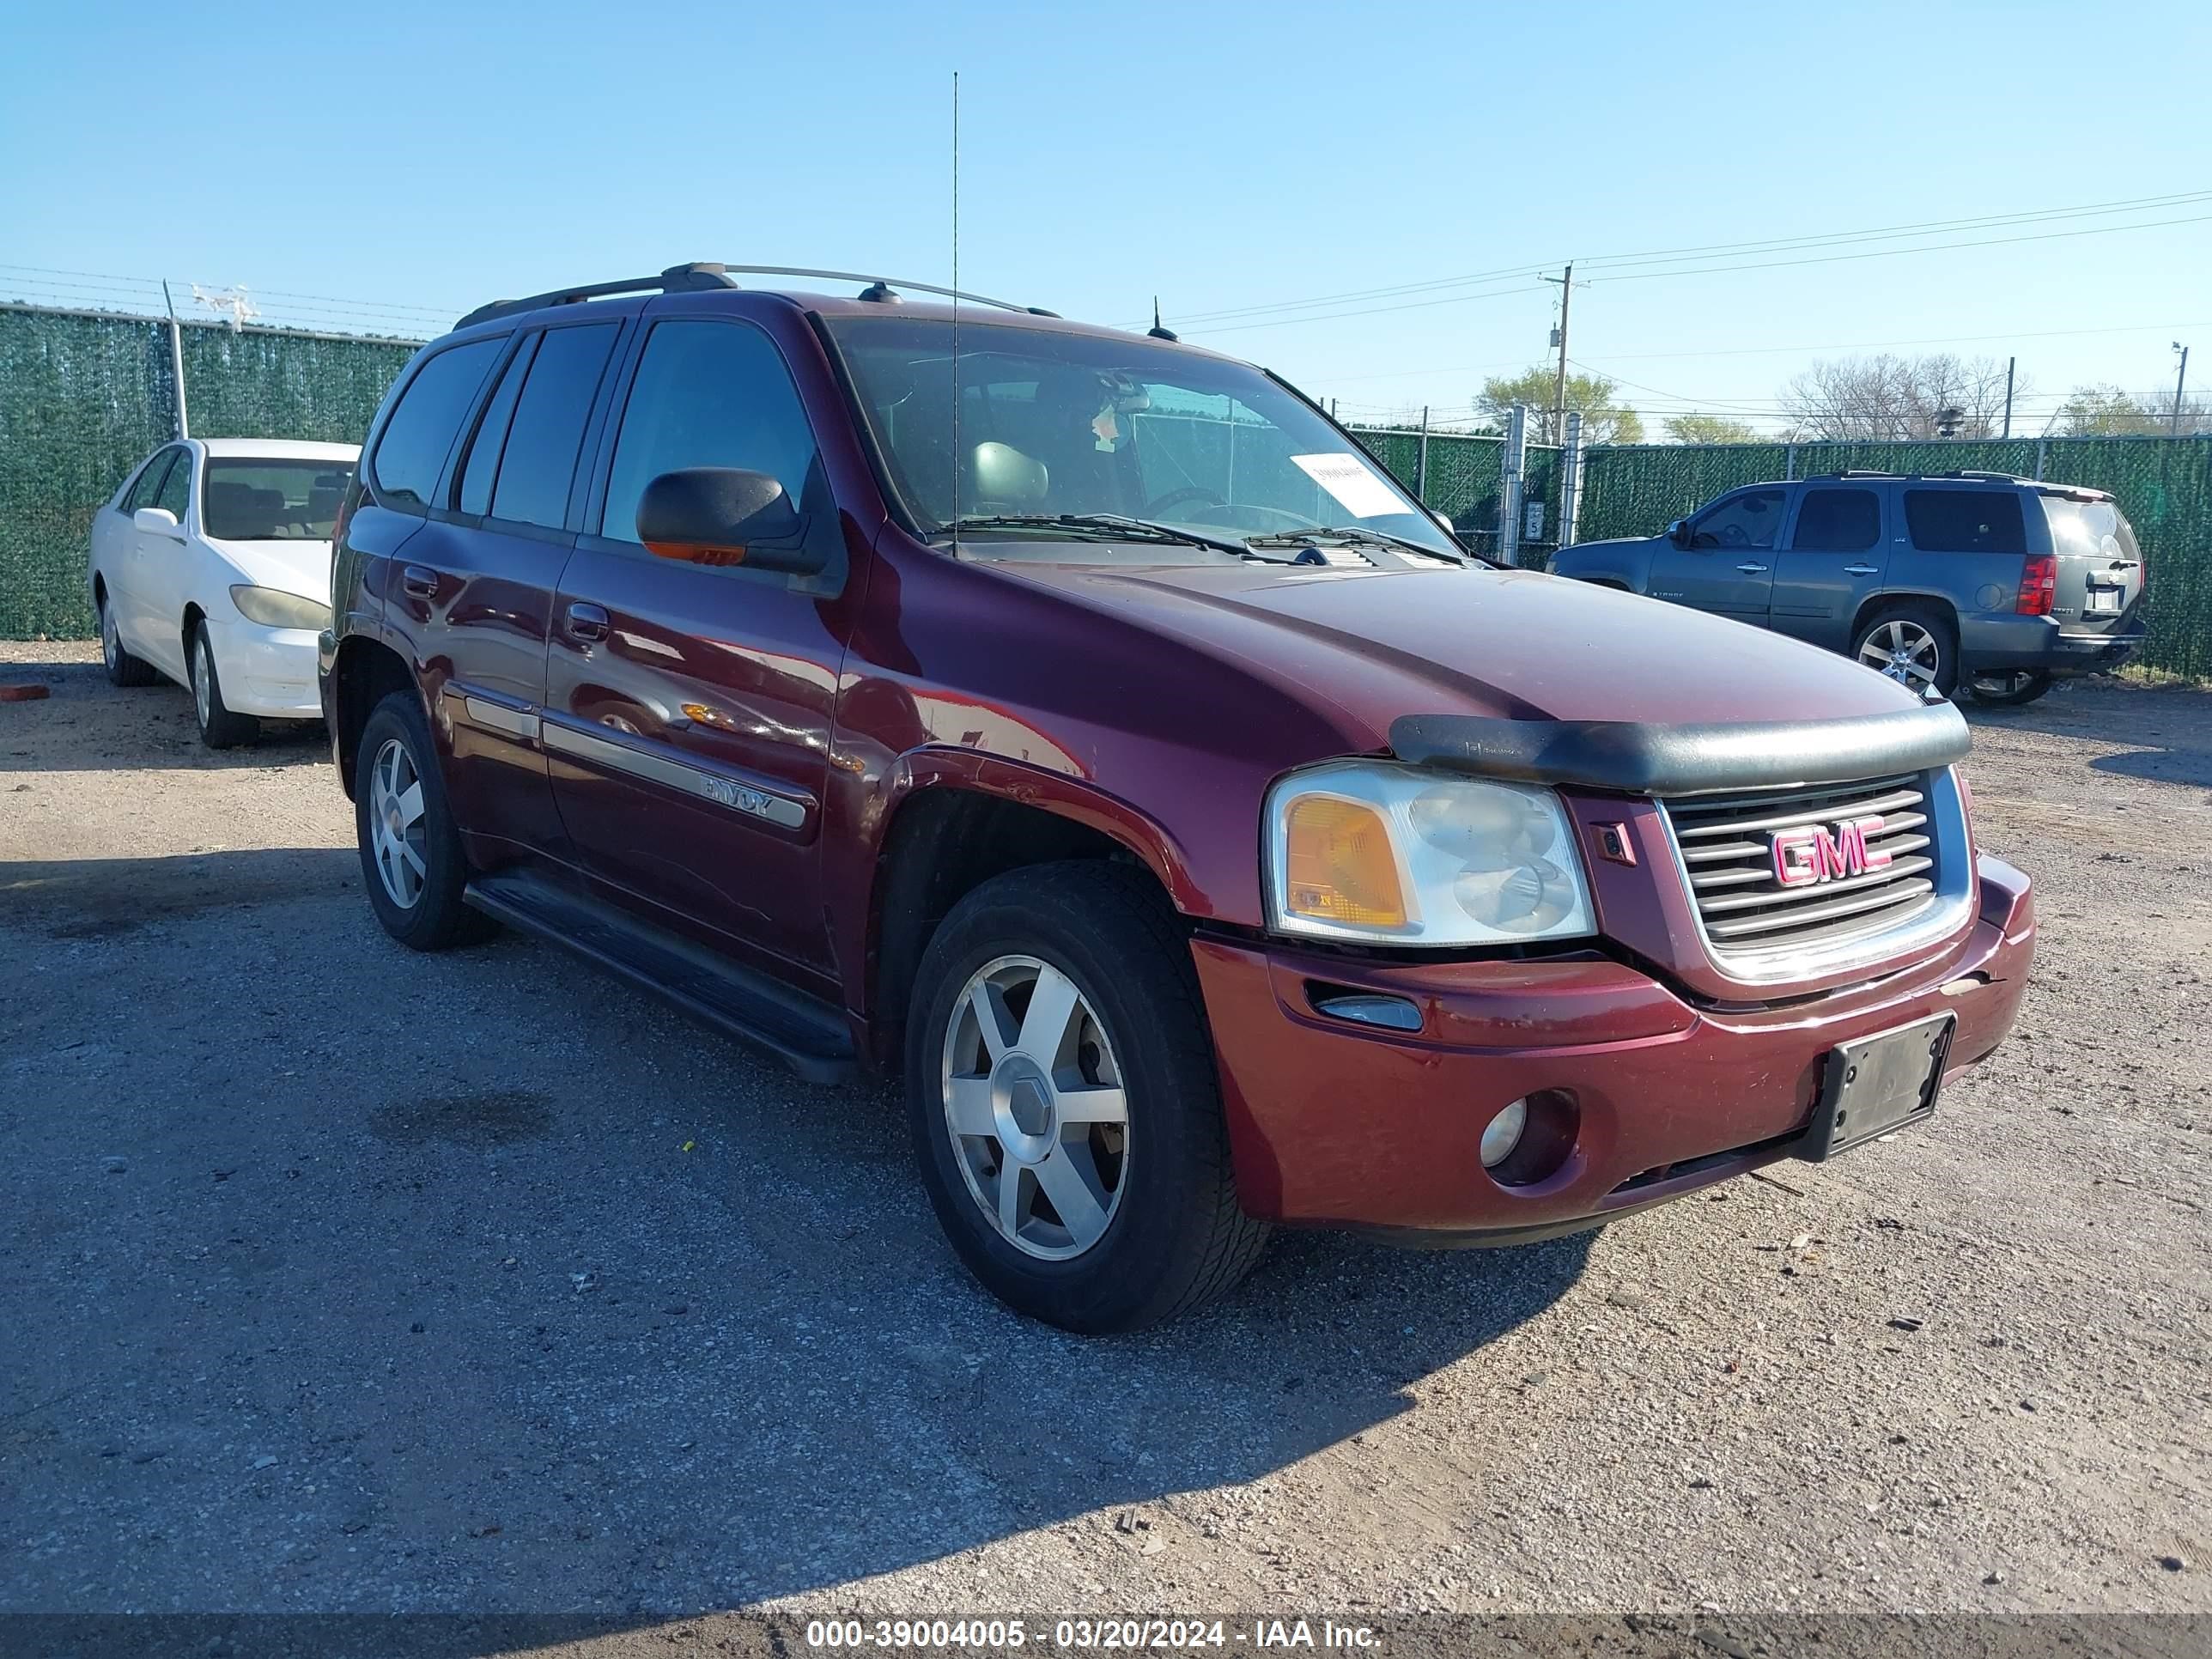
(1083, 726)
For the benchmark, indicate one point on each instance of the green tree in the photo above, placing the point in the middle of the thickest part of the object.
(1708, 429)
(1605, 419)
(2102, 411)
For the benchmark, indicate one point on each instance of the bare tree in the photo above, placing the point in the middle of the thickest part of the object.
(1901, 398)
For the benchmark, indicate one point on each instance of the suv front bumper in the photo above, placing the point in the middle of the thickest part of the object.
(1337, 1123)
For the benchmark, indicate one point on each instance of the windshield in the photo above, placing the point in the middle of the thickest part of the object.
(247, 500)
(1051, 424)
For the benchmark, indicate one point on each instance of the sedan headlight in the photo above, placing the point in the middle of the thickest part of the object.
(1391, 854)
(274, 608)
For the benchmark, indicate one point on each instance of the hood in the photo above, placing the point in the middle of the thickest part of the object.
(295, 565)
(1365, 648)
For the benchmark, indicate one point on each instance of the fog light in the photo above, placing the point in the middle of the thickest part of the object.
(1503, 1135)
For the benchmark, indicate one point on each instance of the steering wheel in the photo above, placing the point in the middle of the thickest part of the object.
(1735, 536)
(1160, 504)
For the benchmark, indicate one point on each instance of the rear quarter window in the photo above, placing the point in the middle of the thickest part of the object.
(1964, 520)
(419, 433)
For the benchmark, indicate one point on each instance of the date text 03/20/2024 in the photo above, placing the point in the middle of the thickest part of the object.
(1085, 1634)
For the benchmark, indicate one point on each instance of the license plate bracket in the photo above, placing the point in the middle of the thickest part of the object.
(2104, 601)
(1878, 1085)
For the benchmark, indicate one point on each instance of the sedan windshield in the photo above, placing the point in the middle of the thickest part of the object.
(252, 500)
(1049, 427)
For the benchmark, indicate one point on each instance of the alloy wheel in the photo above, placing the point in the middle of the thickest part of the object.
(395, 827)
(1036, 1108)
(110, 646)
(1906, 652)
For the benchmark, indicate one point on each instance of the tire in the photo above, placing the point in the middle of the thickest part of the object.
(414, 877)
(123, 668)
(2009, 691)
(1173, 1237)
(1928, 638)
(219, 727)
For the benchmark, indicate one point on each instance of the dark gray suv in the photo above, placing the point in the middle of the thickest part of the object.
(1998, 584)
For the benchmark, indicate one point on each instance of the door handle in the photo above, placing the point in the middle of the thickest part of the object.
(587, 621)
(422, 584)
(1751, 569)
(1860, 569)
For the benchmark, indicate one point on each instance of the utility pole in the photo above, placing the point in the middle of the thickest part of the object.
(2179, 381)
(1566, 282)
(2010, 362)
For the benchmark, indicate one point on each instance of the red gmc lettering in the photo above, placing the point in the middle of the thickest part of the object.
(1812, 853)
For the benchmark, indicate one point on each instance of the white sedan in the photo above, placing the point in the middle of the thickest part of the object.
(212, 565)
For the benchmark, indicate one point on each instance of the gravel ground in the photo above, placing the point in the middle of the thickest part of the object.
(341, 1278)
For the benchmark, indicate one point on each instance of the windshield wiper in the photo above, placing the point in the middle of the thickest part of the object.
(1355, 533)
(1112, 524)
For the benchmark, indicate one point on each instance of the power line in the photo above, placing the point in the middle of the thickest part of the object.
(1772, 244)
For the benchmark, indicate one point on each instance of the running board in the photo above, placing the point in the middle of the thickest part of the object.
(807, 1035)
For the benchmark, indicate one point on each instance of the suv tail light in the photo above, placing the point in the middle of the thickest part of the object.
(2038, 585)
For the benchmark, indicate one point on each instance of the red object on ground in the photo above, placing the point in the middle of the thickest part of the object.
(22, 693)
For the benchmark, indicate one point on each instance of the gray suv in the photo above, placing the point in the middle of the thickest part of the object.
(1979, 579)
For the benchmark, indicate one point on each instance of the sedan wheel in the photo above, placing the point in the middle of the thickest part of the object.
(123, 668)
(1034, 1105)
(396, 825)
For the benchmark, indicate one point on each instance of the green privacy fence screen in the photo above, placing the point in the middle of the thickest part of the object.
(84, 397)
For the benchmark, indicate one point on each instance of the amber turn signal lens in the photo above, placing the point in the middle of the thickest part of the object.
(1339, 865)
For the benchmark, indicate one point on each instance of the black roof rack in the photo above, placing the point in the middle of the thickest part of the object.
(702, 275)
(1962, 473)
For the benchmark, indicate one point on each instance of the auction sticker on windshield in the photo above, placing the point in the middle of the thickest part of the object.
(1352, 482)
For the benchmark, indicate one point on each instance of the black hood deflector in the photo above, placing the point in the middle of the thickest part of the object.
(1633, 757)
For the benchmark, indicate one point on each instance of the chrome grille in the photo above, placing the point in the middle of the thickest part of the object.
(1728, 858)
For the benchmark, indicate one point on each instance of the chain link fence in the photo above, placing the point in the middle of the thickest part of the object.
(86, 396)
(1460, 474)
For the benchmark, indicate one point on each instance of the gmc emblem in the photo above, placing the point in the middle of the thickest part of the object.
(1806, 854)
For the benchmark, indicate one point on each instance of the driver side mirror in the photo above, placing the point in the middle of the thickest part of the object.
(157, 521)
(724, 515)
(1679, 533)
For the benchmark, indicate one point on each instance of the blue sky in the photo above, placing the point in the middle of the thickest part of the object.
(1222, 156)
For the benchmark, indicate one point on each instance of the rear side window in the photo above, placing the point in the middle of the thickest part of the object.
(708, 394)
(1751, 520)
(1838, 521)
(538, 462)
(1964, 520)
(420, 434)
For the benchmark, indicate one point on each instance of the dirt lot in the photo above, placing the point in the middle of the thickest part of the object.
(338, 1278)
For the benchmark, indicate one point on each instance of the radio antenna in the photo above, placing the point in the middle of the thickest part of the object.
(956, 314)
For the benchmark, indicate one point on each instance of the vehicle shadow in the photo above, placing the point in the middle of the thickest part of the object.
(2163, 735)
(479, 1283)
(86, 721)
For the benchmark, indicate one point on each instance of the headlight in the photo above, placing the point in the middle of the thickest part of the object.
(1390, 854)
(272, 608)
